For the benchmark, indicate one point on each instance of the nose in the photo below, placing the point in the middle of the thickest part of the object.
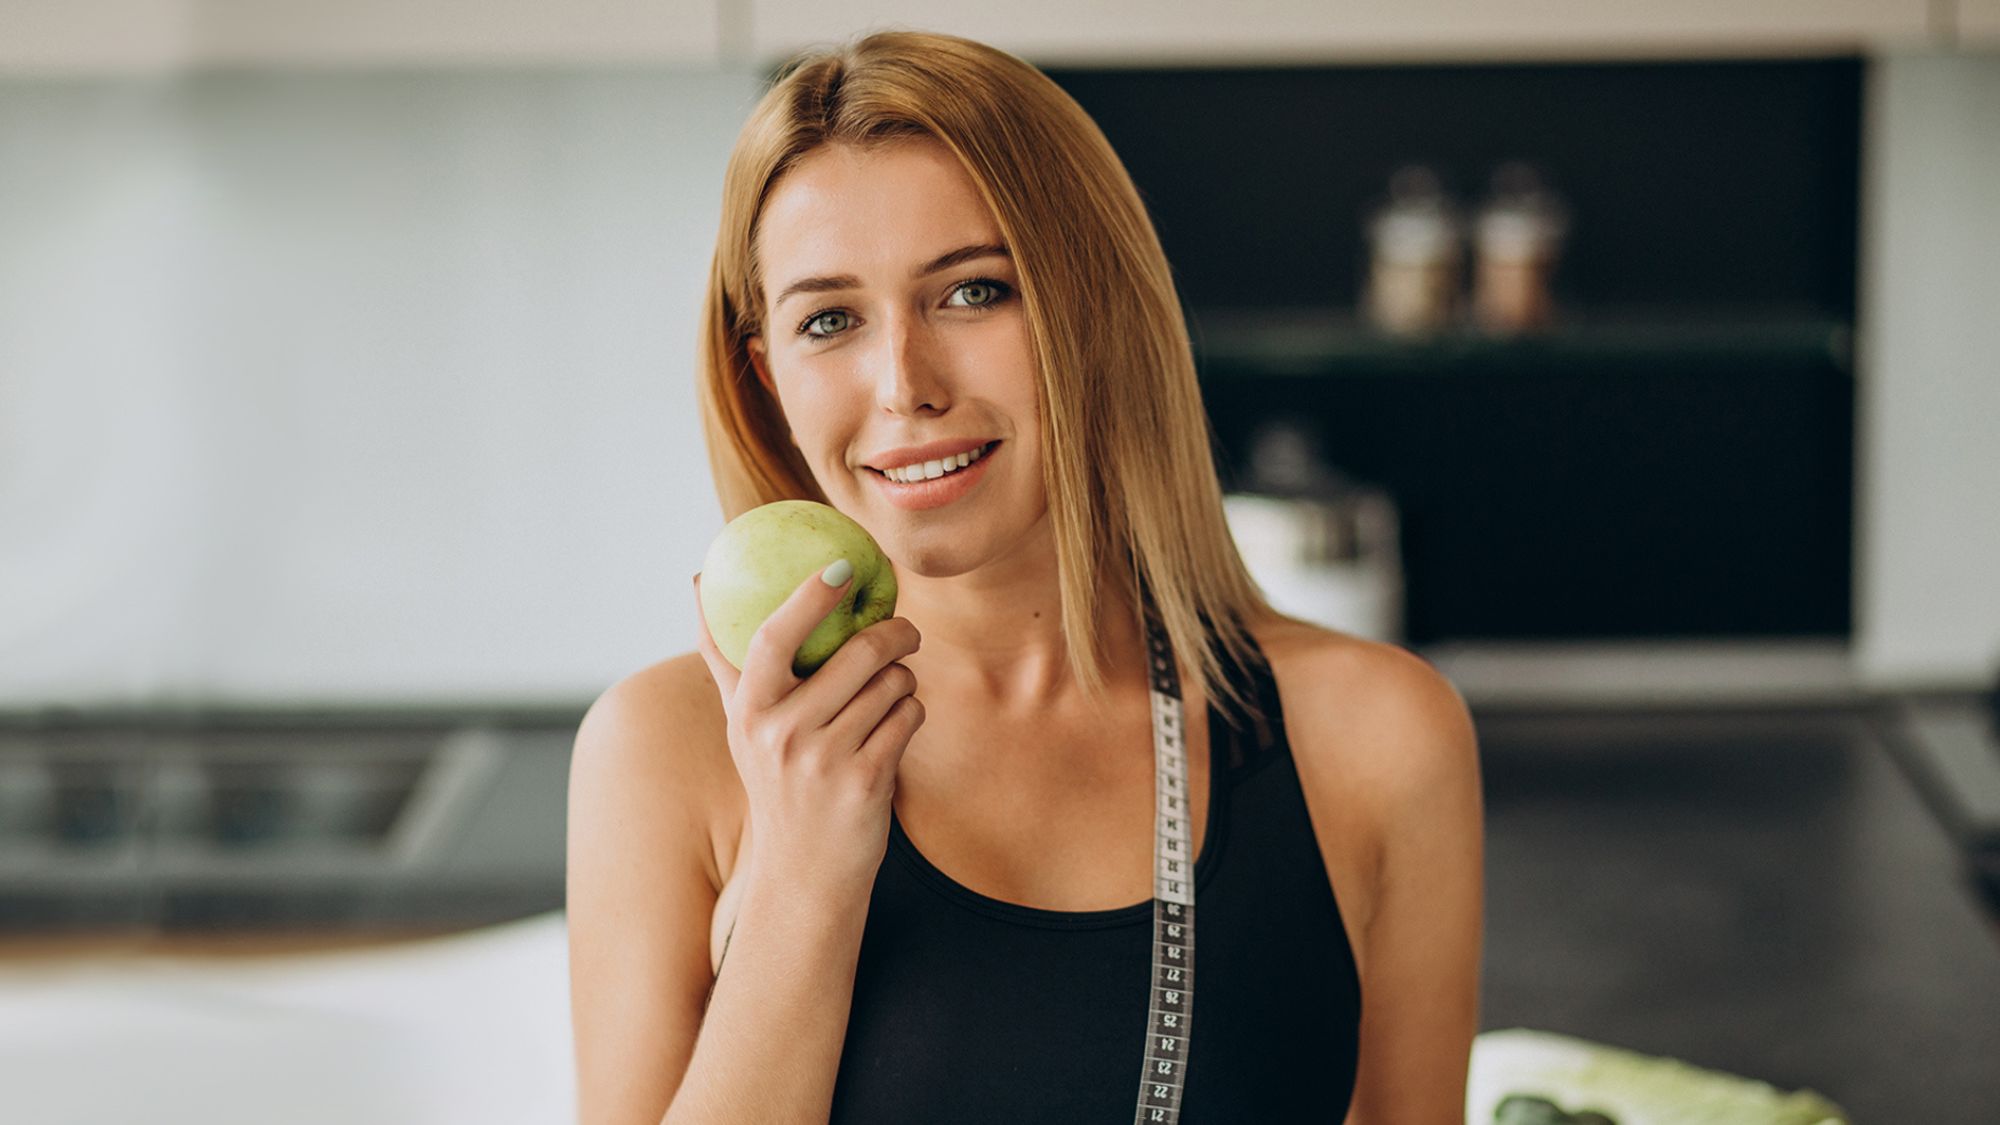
(909, 378)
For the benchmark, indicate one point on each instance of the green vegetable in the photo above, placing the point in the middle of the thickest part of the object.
(1522, 1077)
(1528, 1109)
(1523, 1109)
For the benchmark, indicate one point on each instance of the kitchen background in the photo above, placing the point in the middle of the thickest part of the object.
(348, 449)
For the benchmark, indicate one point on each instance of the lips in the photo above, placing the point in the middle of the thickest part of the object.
(913, 471)
(937, 491)
(917, 455)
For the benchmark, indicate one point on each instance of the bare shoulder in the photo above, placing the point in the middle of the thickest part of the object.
(1388, 763)
(1381, 738)
(1386, 713)
(640, 886)
(663, 727)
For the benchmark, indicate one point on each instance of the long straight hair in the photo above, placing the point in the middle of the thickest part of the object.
(1133, 497)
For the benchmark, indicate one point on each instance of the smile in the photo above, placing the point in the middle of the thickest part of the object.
(935, 483)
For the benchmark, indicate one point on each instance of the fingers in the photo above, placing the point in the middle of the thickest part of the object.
(852, 669)
(865, 710)
(719, 668)
(884, 748)
(767, 666)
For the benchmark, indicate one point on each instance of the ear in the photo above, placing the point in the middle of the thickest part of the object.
(761, 363)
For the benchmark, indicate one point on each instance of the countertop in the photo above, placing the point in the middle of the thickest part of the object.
(1765, 894)
(1760, 892)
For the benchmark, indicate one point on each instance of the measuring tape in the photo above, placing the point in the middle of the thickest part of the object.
(1172, 1000)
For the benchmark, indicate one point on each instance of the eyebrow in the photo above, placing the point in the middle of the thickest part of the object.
(942, 262)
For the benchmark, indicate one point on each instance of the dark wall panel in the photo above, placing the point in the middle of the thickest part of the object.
(1691, 183)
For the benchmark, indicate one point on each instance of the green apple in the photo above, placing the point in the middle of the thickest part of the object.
(763, 555)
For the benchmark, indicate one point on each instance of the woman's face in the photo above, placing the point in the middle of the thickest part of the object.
(871, 346)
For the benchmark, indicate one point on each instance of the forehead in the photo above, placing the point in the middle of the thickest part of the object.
(843, 208)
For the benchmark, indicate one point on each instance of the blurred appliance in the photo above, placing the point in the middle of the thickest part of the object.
(1323, 547)
(280, 822)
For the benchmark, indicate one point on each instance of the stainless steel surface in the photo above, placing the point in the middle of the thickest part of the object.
(1652, 673)
(1955, 748)
(272, 824)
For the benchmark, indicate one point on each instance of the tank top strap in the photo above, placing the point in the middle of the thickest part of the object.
(1255, 739)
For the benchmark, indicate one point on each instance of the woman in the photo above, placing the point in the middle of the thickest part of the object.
(930, 864)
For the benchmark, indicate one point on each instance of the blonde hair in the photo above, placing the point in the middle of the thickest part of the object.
(1133, 497)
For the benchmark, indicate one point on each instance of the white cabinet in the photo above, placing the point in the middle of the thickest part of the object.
(86, 36)
(1979, 24)
(1191, 31)
(113, 36)
(455, 31)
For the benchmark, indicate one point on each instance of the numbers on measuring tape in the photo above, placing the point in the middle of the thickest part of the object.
(1171, 1008)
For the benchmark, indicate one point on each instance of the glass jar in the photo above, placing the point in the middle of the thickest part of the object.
(1518, 240)
(1415, 240)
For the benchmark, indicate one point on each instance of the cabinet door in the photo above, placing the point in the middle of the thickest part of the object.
(93, 36)
(1979, 23)
(459, 31)
(128, 36)
(1187, 31)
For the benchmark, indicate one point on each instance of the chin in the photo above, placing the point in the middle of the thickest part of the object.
(933, 559)
(939, 552)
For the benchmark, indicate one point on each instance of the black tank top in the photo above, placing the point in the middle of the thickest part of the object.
(971, 1010)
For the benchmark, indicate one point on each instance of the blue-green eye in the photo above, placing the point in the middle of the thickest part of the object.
(816, 317)
(997, 292)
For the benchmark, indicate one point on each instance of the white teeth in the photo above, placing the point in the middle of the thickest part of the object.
(931, 470)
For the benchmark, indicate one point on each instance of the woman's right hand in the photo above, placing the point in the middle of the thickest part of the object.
(818, 756)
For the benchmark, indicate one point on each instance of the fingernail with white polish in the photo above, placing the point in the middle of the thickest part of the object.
(837, 574)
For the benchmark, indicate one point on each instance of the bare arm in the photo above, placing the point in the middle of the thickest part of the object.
(758, 1042)
(770, 1048)
(658, 1038)
(1421, 979)
(639, 896)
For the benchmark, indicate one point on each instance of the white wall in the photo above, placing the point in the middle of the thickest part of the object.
(352, 387)
(1928, 542)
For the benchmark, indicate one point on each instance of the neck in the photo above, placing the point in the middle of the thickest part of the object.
(994, 639)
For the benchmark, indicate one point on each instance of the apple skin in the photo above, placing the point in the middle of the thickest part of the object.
(762, 556)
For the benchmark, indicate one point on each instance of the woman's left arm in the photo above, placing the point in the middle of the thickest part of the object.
(1420, 971)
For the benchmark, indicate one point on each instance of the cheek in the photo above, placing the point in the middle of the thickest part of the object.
(803, 400)
(824, 426)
